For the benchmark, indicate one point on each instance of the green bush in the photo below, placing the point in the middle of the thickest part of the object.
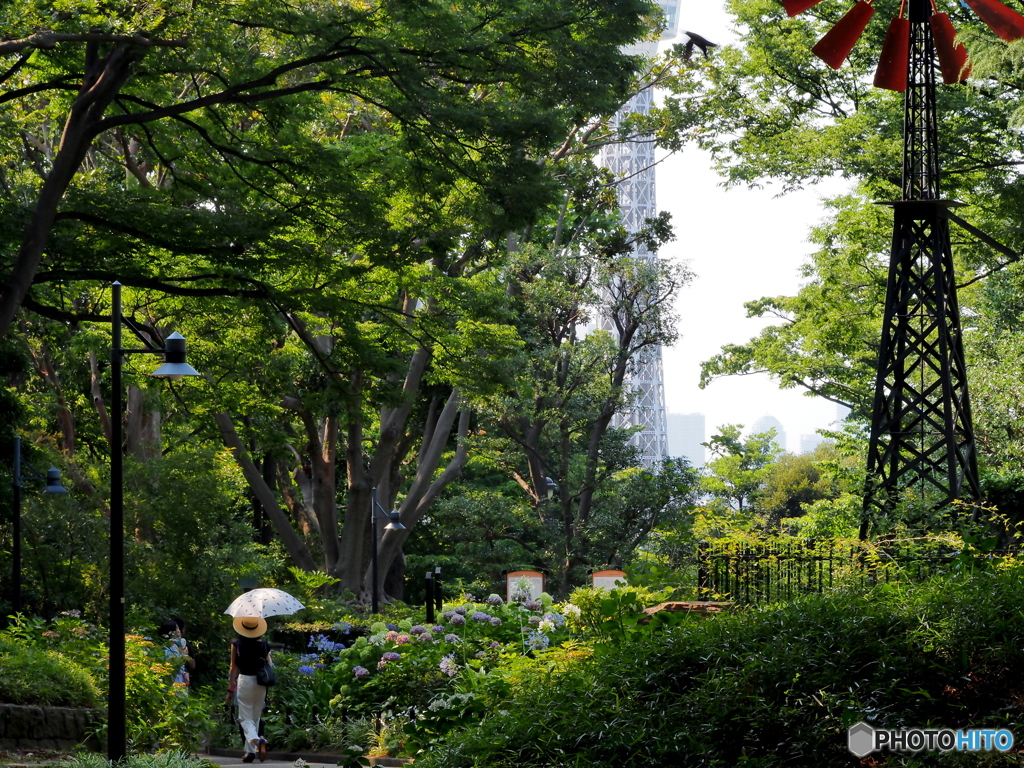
(45, 678)
(775, 686)
(64, 662)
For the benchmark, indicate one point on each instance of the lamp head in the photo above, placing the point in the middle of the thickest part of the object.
(174, 367)
(551, 485)
(53, 482)
(396, 522)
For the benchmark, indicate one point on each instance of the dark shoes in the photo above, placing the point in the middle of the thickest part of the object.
(249, 757)
(262, 750)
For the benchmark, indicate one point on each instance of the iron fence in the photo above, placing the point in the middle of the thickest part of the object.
(766, 572)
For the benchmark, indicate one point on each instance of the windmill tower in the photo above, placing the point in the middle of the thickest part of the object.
(633, 164)
(921, 447)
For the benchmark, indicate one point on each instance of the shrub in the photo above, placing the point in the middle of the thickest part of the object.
(45, 678)
(394, 675)
(161, 713)
(765, 687)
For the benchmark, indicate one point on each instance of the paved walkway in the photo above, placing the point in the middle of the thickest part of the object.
(274, 760)
(233, 759)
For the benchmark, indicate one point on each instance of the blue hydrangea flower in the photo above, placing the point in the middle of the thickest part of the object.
(495, 621)
(392, 627)
(417, 629)
(458, 619)
(360, 672)
(454, 639)
(555, 618)
(533, 605)
(481, 617)
(495, 600)
(537, 641)
(307, 670)
(324, 644)
(461, 610)
(437, 629)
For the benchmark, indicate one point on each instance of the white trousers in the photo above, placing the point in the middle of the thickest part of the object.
(250, 697)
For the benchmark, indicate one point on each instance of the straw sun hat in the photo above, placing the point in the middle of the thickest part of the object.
(250, 626)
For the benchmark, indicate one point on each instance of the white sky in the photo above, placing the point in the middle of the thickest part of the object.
(742, 244)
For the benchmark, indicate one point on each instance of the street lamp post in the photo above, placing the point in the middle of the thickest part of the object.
(394, 524)
(174, 368)
(52, 486)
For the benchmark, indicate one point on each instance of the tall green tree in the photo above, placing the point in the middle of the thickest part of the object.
(190, 102)
(739, 468)
(321, 198)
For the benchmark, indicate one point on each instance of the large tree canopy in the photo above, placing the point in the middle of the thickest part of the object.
(198, 133)
(327, 199)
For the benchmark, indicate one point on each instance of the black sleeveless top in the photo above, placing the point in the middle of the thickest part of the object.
(250, 654)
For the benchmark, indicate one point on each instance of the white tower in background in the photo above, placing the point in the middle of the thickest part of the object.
(633, 164)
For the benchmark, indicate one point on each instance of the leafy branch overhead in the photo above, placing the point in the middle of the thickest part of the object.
(201, 101)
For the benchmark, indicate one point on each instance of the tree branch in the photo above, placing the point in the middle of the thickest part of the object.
(47, 40)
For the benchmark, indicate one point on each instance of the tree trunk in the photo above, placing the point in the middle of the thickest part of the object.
(423, 492)
(294, 545)
(103, 80)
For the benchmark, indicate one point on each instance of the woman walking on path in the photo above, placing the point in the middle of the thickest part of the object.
(249, 653)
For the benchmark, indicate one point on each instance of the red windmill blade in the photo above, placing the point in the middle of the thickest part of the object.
(793, 7)
(1001, 19)
(837, 43)
(891, 74)
(952, 54)
(892, 62)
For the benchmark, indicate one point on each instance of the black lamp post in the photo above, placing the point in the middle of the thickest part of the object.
(53, 485)
(394, 524)
(174, 368)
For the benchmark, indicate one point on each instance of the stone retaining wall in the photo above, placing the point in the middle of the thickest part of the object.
(59, 728)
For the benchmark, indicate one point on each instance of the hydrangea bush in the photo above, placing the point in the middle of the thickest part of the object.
(425, 674)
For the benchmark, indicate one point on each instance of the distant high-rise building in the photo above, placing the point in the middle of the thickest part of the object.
(766, 423)
(686, 435)
(809, 442)
(632, 163)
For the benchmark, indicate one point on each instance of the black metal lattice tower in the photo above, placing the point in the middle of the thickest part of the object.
(921, 449)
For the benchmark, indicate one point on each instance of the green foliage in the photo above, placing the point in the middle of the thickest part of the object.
(167, 759)
(762, 687)
(407, 684)
(64, 662)
(35, 676)
(739, 469)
